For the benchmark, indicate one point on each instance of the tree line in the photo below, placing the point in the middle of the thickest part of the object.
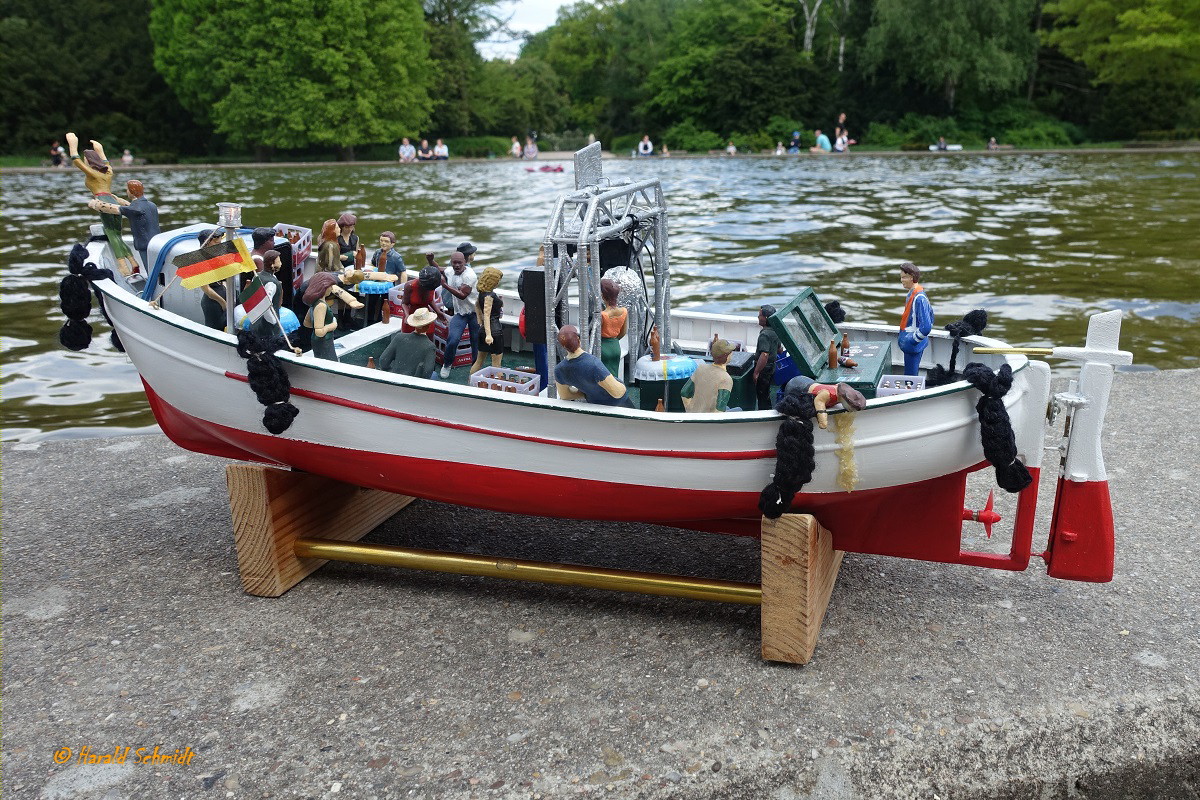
(185, 77)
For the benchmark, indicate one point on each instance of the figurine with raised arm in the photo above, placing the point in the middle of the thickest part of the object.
(917, 320)
(320, 316)
(826, 395)
(98, 178)
(710, 386)
(142, 215)
(412, 353)
(582, 376)
(460, 283)
(614, 321)
(488, 307)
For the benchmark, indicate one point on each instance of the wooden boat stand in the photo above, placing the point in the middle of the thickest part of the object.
(287, 524)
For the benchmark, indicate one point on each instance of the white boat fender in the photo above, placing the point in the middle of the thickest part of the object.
(75, 300)
(268, 379)
(995, 428)
(795, 455)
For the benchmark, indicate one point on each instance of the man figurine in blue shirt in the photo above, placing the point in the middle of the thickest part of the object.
(917, 320)
(583, 376)
(142, 215)
(387, 258)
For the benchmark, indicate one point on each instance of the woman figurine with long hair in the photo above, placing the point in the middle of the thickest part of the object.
(320, 317)
(328, 253)
(98, 178)
(488, 307)
(614, 321)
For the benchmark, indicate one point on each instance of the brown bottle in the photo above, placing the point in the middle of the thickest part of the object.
(371, 362)
(845, 346)
(386, 315)
(660, 407)
(833, 354)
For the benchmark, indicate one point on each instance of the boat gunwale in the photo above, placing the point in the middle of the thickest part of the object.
(113, 290)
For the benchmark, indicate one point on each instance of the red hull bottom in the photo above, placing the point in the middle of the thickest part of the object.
(919, 520)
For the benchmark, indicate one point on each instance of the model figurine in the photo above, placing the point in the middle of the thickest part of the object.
(421, 292)
(142, 215)
(489, 305)
(98, 178)
(614, 322)
(460, 283)
(826, 395)
(212, 302)
(328, 255)
(917, 320)
(266, 275)
(412, 354)
(582, 376)
(710, 386)
(320, 316)
(766, 351)
(347, 239)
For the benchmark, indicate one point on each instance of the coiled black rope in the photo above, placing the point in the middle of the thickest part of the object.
(835, 311)
(268, 379)
(76, 304)
(795, 455)
(995, 427)
(972, 324)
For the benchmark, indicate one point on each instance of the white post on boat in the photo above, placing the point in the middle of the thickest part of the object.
(229, 217)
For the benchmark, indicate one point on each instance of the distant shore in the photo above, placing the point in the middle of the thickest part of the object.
(552, 156)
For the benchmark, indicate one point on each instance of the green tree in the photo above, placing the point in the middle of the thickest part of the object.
(454, 28)
(85, 65)
(983, 47)
(514, 97)
(297, 73)
(1131, 41)
(734, 65)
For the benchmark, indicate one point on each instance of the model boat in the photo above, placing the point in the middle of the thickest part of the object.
(538, 454)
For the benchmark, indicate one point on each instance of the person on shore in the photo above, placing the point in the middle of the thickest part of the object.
(408, 153)
(794, 143)
(822, 147)
(440, 151)
(645, 147)
(731, 148)
(424, 152)
(531, 149)
(515, 149)
(842, 143)
(412, 353)
(779, 148)
(665, 152)
(941, 144)
(460, 283)
(991, 145)
(839, 127)
(127, 158)
(58, 156)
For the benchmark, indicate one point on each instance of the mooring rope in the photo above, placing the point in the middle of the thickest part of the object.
(268, 379)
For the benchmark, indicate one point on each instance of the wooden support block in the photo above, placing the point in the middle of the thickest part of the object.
(799, 568)
(273, 507)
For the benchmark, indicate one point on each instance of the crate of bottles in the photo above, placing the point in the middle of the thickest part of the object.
(505, 379)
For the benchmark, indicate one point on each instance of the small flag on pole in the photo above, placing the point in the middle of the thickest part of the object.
(256, 301)
(213, 263)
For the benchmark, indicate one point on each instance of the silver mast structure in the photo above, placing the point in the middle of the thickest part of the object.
(599, 210)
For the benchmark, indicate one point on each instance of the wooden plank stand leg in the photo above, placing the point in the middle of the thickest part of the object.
(799, 569)
(274, 507)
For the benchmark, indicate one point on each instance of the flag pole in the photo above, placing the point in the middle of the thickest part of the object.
(230, 218)
(164, 290)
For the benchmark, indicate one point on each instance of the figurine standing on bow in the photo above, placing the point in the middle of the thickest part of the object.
(916, 321)
(98, 178)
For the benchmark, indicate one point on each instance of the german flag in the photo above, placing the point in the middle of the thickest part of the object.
(213, 263)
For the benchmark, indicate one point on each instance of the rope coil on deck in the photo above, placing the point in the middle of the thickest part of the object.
(76, 303)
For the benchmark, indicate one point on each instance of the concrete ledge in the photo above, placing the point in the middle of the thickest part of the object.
(125, 626)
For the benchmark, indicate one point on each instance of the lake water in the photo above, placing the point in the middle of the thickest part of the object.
(1039, 241)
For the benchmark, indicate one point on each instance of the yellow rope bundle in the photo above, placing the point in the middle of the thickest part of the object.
(847, 468)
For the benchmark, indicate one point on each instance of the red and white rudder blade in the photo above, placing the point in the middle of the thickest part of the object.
(1081, 531)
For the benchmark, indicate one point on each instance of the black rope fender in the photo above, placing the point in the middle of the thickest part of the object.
(795, 455)
(76, 303)
(268, 379)
(995, 427)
